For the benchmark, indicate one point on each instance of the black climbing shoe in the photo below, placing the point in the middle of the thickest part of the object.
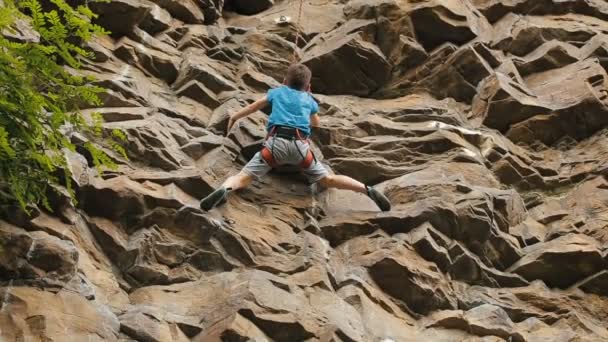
(381, 201)
(216, 197)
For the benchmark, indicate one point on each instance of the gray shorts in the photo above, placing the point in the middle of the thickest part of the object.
(285, 152)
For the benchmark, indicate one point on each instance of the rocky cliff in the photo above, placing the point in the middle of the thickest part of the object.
(484, 121)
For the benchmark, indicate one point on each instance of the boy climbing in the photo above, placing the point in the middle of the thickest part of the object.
(293, 116)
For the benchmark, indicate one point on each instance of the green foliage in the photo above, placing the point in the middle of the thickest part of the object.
(40, 95)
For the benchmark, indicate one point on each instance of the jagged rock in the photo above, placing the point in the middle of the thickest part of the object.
(212, 9)
(551, 55)
(101, 48)
(156, 20)
(30, 312)
(142, 324)
(520, 35)
(201, 37)
(392, 323)
(123, 199)
(597, 283)
(257, 296)
(185, 10)
(485, 321)
(489, 319)
(397, 270)
(235, 327)
(258, 81)
(535, 300)
(268, 52)
(421, 203)
(467, 267)
(159, 64)
(36, 257)
(438, 22)
(535, 330)
(249, 7)
(528, 232)
(120, 114)
(390, 274)
(411, 54)
(395, 33)
(149, 143)
(160, 42)
(202, 145)
(139, 261)
(575, 212)
(327, 16)
(560, 262)
(596, 47)
(542, 112)
(374, 152)
(198, 92)
(448, 72)
(21, 31)
(157, 256)
(495, 9)
(449, 319)
(113, 239)
(211, 74)
(431, 245)
(346, 62)
(121, 16)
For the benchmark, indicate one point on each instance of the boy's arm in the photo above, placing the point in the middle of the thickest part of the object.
(250, 109)
(315, 123)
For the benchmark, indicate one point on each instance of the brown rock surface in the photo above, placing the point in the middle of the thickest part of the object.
(249, 6)
(484, 121)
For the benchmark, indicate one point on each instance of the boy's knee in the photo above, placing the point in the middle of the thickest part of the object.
(240, 180)
(245, 177)
(326, 181)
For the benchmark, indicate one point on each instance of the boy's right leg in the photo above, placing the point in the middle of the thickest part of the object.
(238, 181)
(255, 168)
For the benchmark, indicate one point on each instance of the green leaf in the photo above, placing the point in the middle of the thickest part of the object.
(5, 146)
(41, 90)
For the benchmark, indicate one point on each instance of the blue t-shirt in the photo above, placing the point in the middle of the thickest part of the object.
(291, 107)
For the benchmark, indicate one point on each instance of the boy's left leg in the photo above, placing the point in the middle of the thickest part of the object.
(347, 183)
(343, 182)
(317, 173)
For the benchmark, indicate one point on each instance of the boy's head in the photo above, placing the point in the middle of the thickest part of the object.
(298, 76)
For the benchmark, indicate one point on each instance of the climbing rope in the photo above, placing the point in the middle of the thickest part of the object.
(297, 40)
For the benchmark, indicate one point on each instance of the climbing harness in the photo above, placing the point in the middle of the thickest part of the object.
(297, 39)
(288, 133)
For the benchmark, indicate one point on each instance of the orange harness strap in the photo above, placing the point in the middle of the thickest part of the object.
(307, 161)
(268, 158)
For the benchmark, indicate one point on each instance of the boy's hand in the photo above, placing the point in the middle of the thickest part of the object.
(231, 122)
(252, 108)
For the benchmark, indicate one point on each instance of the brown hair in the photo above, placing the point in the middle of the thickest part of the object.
(298, 76)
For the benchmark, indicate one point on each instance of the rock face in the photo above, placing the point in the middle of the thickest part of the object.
(485, 122)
